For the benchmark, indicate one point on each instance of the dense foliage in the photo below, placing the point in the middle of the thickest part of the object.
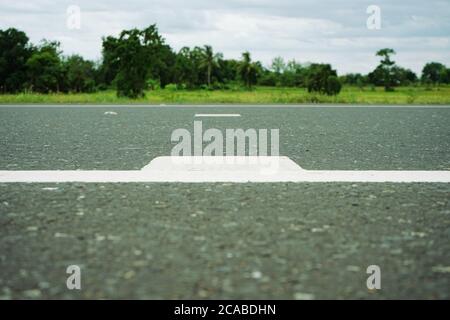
(139, 60)
(14, 54)
(323, 79)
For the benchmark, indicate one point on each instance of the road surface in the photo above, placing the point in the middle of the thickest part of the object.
(225, 240)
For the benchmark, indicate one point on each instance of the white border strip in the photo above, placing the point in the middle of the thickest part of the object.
(215, 169)
(217, 115)
(105, 176)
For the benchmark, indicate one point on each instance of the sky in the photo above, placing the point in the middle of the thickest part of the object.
(327, 31)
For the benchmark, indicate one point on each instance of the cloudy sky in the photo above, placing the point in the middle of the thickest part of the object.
(333, 31)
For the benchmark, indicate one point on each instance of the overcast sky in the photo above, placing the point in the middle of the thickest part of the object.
(332, 31)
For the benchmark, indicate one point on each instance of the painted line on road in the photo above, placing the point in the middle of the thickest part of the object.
(217, 115)
(222, 169)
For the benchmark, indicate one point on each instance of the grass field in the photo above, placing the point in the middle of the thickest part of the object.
(263, 95)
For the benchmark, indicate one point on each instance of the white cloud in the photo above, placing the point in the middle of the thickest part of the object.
(308, 30)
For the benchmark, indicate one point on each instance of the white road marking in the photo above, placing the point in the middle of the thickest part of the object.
(222, 169)
(217, 115)
(112, 113)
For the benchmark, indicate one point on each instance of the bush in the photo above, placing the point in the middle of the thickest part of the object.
(317, 77)
(153, 84)
(219, 86)
(102, 87)
(205, 87)
(321, 78)
(269, 79)
(171, 87)
(333, 86)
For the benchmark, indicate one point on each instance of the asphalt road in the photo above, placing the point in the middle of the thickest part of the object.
(214, 241)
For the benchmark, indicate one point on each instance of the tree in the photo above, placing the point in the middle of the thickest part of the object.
(353, 78)
(323, 79)
(334, 86)
(14, 53)
(268, 78)
(162, 65)
(109, 67)
(278, 65)
(434, 72)
(447, 75)
(294, 74)
(228, 70)
(137, 54)
(44, 69)
(185, 69)
(248, 70)
(80, 74)
(402, 76)
(209, 61)
(385, 68)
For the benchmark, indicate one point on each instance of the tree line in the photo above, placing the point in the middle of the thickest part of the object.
(141, 60)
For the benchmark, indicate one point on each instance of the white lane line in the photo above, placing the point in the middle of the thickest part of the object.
(217, 115)
(222, 169)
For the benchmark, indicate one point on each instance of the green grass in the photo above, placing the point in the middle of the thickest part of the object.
(259, 95)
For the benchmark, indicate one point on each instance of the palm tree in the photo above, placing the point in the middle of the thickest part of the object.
(248, 70)
(386, 68)
(209, 61)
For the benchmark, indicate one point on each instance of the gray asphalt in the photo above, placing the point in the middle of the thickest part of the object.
(214, 241)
